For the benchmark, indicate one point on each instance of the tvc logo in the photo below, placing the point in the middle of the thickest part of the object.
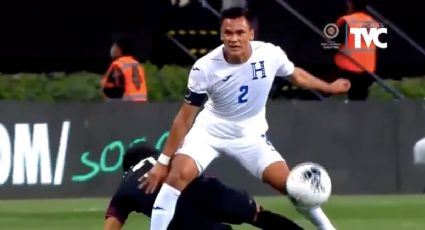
(369, 35)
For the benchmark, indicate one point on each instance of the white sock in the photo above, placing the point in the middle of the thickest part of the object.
(317, 217)
(163, 208)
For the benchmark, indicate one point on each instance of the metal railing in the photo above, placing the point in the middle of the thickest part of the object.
(395, 93)
(396, 29)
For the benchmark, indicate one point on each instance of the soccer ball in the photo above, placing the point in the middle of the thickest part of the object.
(308, 185)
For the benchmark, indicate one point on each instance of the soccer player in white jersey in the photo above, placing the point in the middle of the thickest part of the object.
(236, 78)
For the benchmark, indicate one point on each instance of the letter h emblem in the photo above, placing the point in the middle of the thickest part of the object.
(255, 70)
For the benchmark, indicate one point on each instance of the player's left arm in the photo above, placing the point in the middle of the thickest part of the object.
(304, 79)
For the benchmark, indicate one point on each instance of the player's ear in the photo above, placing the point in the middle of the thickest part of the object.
(251, 32)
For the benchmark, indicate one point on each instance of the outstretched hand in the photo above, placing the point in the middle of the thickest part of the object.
(154, 178)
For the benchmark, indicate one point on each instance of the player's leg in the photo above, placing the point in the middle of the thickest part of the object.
(258, 156)
(191, 159)
(263, 161)
(275, 174)
(268, 220)
(182, 171)
(229, 205)
(189, 217)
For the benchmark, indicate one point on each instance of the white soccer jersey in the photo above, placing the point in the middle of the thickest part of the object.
(237, 93)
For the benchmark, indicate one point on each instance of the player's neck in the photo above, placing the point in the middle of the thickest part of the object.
(239, 59)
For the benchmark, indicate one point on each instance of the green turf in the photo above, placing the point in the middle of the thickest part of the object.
(347, 212)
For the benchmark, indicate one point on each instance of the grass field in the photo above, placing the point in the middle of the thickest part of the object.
(347, 212)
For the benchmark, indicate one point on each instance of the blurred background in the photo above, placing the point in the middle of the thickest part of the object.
(49, 37)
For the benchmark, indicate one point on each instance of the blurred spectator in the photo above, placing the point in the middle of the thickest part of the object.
(125, 78)
(356, 17)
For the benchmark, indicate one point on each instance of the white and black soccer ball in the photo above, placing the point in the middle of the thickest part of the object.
(309, 185)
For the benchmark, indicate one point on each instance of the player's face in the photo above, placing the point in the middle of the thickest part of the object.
(236, 35)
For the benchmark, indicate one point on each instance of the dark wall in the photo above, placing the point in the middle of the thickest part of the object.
(45, 36)
(366, 147)
(73, 35)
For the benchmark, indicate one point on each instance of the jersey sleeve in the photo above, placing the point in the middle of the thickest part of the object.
(119, 207)
(197, 80)
(197, 86)
(285, 66)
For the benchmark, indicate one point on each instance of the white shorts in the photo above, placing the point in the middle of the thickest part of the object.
(254, 152)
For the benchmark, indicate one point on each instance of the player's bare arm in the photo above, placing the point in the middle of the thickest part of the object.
(304, 79)
(180, 127)
(112, 223)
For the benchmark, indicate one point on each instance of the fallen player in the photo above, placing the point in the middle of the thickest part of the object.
(205, 204)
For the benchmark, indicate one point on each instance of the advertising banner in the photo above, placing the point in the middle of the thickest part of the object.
(75, 150)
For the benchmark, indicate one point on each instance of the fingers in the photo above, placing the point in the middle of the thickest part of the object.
(347, 85)
(143, 180)
(151, 187)
(148, 183)
(344, 85)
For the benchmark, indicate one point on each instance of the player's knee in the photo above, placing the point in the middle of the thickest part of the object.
(183, 171)
(179, 179)
(182, 175)
(276, 175)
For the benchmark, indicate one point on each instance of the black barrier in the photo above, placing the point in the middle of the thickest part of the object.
(96, 139)
(411, 129)
(75, 150)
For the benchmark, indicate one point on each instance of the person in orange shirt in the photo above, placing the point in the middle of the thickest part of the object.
(354, 62)
(125, 78)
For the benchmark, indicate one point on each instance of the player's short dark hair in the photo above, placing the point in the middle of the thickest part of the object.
(136, 153)
(125, 43)
(359, 5)
(236, 12)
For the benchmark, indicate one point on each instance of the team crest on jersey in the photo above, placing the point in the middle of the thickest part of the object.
(258, 72)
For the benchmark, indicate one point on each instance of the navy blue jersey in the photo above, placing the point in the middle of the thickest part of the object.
(204, 204)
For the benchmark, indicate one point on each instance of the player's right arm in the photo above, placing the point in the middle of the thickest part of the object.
(118, 210)
(182, 123)
(181, 126)
(124, 201)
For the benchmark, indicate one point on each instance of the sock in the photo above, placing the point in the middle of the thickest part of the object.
(163, 208)
(317, 217)
(267, 220)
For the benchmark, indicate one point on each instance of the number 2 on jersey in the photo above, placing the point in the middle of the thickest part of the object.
(242, 97)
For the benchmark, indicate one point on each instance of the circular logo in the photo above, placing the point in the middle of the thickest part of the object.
(331, 30)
